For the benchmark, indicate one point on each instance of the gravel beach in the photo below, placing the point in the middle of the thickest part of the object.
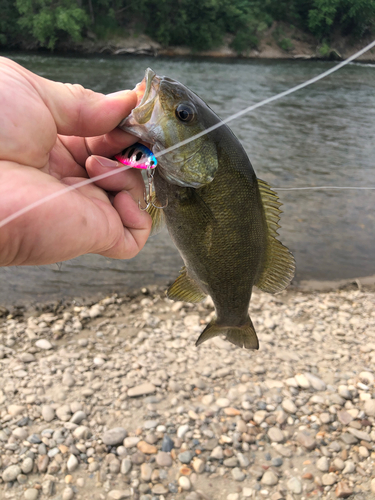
(112, 400)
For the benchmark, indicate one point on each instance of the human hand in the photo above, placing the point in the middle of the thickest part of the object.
(43, 126)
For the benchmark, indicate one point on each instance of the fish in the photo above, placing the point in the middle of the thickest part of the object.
(221, 217)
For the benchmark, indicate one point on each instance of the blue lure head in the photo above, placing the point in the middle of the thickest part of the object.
(137, 156)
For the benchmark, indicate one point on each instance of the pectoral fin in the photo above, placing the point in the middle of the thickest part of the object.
(242, 336)
(185, 289)
(279, 266)
(157, 215)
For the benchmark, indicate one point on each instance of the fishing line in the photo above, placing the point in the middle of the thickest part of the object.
(313, 188)
(200, 134)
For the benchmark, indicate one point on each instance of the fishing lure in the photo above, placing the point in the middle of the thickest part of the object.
(137, 156)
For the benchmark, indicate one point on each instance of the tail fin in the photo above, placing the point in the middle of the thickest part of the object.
(242, 336)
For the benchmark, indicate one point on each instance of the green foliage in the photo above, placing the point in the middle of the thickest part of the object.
(199, 24)
(325, 49)
(51, 20)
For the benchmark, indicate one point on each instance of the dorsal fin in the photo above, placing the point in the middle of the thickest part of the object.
(279, 266)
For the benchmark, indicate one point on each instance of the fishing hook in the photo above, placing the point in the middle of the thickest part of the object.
(148, 198)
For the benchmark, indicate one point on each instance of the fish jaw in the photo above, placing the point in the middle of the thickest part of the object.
(154, 121)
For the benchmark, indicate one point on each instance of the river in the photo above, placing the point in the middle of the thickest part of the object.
(321, 135)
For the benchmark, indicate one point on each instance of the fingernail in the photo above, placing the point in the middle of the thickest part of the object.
(119, 93)
(106, 162)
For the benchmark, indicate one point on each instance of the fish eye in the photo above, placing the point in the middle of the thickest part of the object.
(184, 113)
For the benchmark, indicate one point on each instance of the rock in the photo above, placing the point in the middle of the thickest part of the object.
(63, 413)
(367, 377)
(31, 494)
(167, 443)
(361, 435)
(349, 467)
(370, 407)
(159, 489)
(269, 478)
(42, 463)
(147, 448)
(164, 459)
(185, 457)
(198, 465)
(338, 464)
(217, 453)
(343, 490)
(329, 479)
(114, 436)
(276, 435)
(289, 406)
(284, 451)
(344, 417)
(247, 492)
(306, 440)
(259, 416)
(68, 494)
(43, 344)
(184, 482)
(146, 471)
(302, 381)
(11, 473)
(363, 451)
(78, 417)
(243, 460)
(344, 392)
(141, 390)
(294, 485)
(68, 380)
(48, 413)
(126, 465)
(15, 410)
(277, 462)
(323, 464)
(182, 430)
(72, 463)
(223, 402)
(119, 494)
(372, 485)
(131, 441)
(27, 465)
(315, 382)
(82, 432)
(237, 474)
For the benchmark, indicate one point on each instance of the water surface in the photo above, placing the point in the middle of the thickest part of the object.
(322, 135)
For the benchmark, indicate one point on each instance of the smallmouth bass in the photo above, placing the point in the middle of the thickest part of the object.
(222, 219)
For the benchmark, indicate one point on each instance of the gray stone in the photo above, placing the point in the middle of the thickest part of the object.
(146, 471)
(11, 473)
(349, 467)
(119, 494)
(316, 383)
(68, 494)
(329, 479)
(276, 435)
(185, 483)
(31, 494)
(217, 453)
(114, 436)
(48, 413)
(243, 460)
(237, 474)
(269, 478)
(289, 406)
(126, 465)
(323, 464)
(164, 459)
(78, 417)
(27, 465)
(361, 435)
(185, 457)
(306, 440)
(370, 407)
(294, 485)
(44, 344)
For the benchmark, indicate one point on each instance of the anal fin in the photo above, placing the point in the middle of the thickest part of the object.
(185, 289)
(241, 336)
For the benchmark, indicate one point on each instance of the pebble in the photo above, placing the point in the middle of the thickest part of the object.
(185, 483)
(294, 485)
(276, 435)
(11, 473)
(270, 425)
(114, 436)
(141, 390)
(31, 494)
(269, 478)
(72, 463)
(43, 344)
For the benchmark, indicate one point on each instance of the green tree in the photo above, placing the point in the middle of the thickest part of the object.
(51, 20)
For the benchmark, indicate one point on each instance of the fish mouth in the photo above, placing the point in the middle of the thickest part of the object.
(147, 91)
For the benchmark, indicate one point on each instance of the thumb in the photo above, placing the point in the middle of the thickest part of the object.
(83, 112)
